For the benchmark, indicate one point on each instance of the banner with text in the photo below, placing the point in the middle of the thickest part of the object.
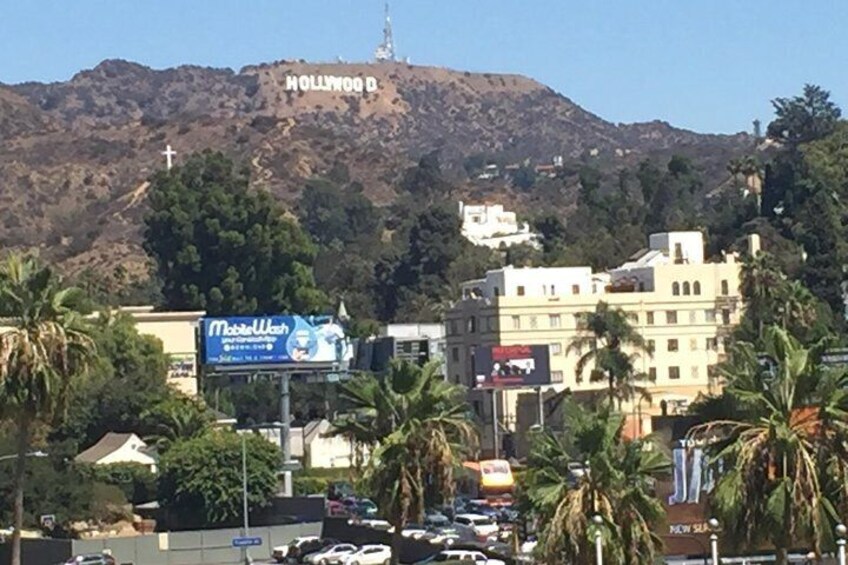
(273, 340)
(512, 365)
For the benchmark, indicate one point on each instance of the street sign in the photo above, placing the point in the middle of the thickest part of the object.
(292, 466)
(246, 542)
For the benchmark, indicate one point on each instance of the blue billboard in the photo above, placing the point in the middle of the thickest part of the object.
(273, 340)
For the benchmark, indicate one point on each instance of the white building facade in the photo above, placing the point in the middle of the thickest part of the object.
(489, 225)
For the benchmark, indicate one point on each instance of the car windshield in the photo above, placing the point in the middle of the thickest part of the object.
(482, 521)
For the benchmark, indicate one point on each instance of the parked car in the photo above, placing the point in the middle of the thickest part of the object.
(435, 519)
(477, 557)
(414, 531)
(365, 508)
(92, 559)
(370, 555)
(483, 508)
(482, 527)
(303, 546)
(331, 555)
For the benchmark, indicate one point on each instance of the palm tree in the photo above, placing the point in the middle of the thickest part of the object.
(591, 470)
(417, 427)
(45, 347)
(789, 428)
(604, 334)
(177, 418)
(761, 283)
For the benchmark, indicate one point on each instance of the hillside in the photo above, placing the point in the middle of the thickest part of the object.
(76, 154)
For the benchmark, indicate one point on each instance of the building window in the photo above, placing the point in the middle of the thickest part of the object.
(674, 373)
(671, 317)
(725, 288)
(652, 374)
(575, 289)
(672, 345)
(652, 346)
(693, 317)
(516, 322)
(553, 290)
(556, 349)
(696, 288)
(693, 344)
(453, 328)
(650, 317)
(675, 288)
(472, 325)
(686, 289)
(725, 317)
(695, 372)
(520, 291)
(678, 253)
(497, 291)
(709, 316)
(533, 323)
(555, 320)
(556, 376)
(712, 344)
(455, 354)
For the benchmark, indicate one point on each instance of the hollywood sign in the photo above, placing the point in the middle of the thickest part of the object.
(330, 83)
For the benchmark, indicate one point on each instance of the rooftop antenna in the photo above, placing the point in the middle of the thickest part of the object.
(386, 50)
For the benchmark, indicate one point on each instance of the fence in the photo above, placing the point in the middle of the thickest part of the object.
(205, 547)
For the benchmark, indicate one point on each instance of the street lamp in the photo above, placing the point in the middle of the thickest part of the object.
(599, 548)
(841, 530)
(37, 454)
(713, 524)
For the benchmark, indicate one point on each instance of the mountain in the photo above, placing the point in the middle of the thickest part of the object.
(76, 155)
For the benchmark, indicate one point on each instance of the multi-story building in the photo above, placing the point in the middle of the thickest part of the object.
(683, 306)
(491, 226)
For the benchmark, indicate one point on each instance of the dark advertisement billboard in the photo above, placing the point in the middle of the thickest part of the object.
(273, 340)
(511, 365)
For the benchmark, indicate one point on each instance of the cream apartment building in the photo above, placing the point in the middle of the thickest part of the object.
(683, 306)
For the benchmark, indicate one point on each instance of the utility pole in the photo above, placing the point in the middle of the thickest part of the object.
(285, 429)
(495, 447)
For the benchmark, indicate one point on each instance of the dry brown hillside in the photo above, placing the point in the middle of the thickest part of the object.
(75, 155)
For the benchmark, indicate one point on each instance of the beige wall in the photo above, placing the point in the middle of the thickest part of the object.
(176, 331)
(539, 320)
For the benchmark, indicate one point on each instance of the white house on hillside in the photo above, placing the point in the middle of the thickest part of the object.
(492, 226)
(118, 448)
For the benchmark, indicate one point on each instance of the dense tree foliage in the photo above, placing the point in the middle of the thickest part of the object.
(201, 479)
(222, 247)
(592, 470)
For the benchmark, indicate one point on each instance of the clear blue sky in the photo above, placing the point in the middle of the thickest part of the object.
(708, 65)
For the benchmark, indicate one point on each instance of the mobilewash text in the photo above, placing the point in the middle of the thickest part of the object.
(257, 327)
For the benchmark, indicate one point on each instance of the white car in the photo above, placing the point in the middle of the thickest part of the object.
(332, 554)
(414, 531)
(370, 555)
(466, 555)
(482, 527)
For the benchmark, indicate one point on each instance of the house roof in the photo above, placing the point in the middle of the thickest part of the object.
(109, 443)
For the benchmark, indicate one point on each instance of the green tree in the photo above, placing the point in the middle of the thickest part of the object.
(804, 118)
(45, 348)
(592, 470)
(776, 448)
(221, 247)
(174, 419)
(128, 377)
(416, 424)
(608, 343)
(200, 479)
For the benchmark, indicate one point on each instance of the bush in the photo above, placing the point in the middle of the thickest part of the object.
(134, 479)
(304, 486)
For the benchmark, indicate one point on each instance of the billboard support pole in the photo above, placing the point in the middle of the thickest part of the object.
(541, 401)
(285, 436)
(495, 449)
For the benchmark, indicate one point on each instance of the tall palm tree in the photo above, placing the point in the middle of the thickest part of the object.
(45, 346)
(417, 427)
(593, 470)
(761, 283)
(174, 419)
(789, 412)
(605, 335)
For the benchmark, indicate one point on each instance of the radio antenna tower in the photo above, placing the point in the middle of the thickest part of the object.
(386, 50)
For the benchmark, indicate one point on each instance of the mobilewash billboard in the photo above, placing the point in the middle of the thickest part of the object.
(512, 365)
(273, 340)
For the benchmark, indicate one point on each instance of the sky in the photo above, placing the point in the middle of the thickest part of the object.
(706, 65)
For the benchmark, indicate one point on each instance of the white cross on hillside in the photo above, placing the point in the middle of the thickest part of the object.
(169, 156)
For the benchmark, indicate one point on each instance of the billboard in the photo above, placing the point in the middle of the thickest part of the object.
(273, 340)
(512, 365)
